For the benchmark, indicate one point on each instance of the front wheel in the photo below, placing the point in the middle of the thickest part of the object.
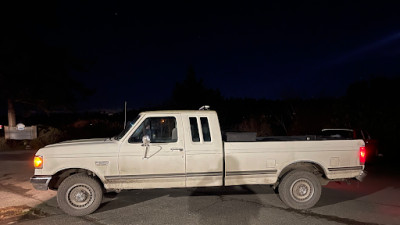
(79, 195)
(300, 189)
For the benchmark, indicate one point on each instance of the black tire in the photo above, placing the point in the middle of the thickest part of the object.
(300, 189)
(79, 195)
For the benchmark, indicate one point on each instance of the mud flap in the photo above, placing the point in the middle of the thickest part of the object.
(362, 175)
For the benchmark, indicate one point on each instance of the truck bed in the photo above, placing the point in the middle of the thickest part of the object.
(252, 137)
(261, 161)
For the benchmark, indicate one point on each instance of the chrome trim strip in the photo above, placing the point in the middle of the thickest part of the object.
(197, 174)
(146, 176)
(206, 174)
(251, 172)
(169, 175)
(345, 168)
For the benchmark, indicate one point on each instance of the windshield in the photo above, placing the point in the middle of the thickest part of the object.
(128, 126)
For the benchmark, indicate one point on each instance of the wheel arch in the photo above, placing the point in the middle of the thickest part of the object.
(311, 166)
(60, 176)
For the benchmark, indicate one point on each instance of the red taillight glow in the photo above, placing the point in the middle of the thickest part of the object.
(363, 155)
(38, 162)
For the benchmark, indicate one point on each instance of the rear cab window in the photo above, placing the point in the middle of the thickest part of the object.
(200, 125)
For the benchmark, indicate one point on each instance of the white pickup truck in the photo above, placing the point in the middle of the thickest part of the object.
(177, 149)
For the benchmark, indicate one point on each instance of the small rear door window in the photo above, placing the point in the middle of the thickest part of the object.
(194, 129)
(205, 129)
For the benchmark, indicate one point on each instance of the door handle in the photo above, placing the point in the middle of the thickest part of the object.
(176, 149)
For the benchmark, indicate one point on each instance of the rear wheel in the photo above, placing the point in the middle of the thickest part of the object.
(300, 189)
(79, 195)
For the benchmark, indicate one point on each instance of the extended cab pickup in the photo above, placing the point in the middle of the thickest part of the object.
(177, 149)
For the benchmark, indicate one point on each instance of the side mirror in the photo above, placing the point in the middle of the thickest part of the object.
(146, 143)
(146, 140)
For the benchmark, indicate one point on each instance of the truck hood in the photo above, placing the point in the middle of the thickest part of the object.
(80, 142)
(79, 147)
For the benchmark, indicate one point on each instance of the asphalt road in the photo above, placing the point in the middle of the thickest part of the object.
(374, 201)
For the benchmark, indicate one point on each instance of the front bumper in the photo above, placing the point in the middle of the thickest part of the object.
(41, 182)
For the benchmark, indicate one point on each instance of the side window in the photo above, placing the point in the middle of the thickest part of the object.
(194, 129)
(206, 129)
(159, 129)
(138, 134)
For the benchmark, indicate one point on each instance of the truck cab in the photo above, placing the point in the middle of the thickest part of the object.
(178, 146)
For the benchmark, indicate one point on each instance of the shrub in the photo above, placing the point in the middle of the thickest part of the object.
(3, 145)
(47, 136)
(6, 145)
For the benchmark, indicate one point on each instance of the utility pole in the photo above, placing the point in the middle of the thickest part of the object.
(11, 114)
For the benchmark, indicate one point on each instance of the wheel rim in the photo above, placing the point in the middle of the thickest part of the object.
(80, 196)
(302, 190)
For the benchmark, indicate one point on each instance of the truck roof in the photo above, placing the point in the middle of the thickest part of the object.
(181, 112)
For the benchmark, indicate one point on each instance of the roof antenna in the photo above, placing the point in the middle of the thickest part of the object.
(125, 115)
(205, 107)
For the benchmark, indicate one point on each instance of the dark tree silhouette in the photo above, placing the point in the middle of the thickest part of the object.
(373, 105)
(34, 75)
(192, 94)
(37, 75)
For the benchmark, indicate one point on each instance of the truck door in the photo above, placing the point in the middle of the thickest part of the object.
(204, 154)
(161, 164)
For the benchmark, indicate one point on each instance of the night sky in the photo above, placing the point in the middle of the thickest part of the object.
(137, 52)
